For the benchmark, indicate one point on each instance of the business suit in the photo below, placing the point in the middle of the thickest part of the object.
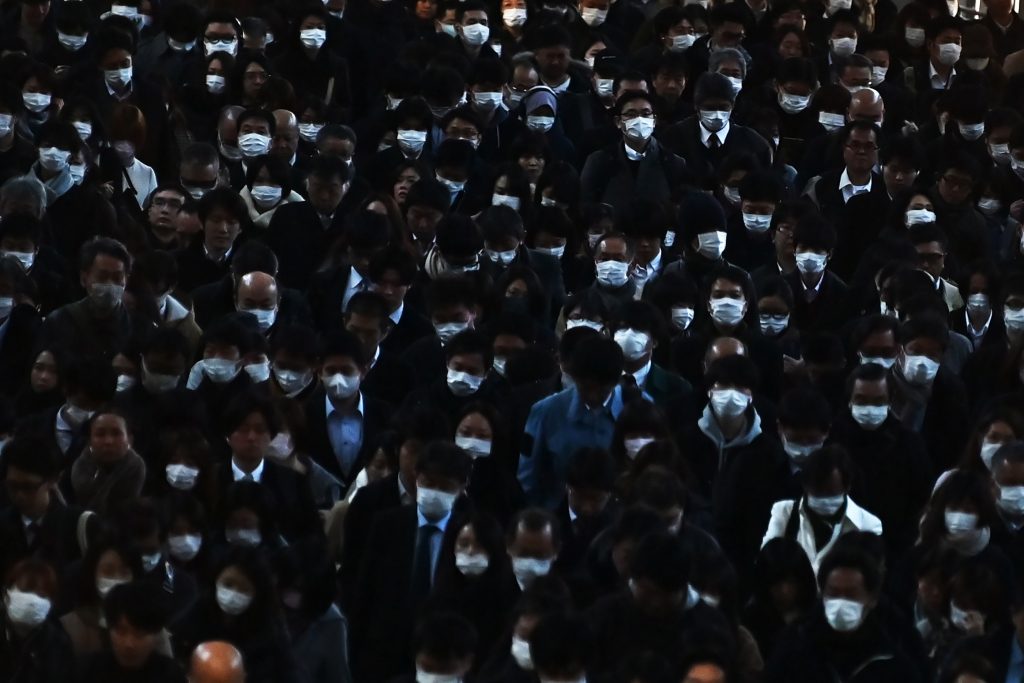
(548, 270)
(684, 139)
(858, 222)
(217, 300)
(301, 241)
(824, 309)
(387, 606)
(44, 425)
(427, 360)
(610, 177)
(670, 392)
(326, 295)
(196, 269)
(369, 501)
(376, 418)
(410, 328)
(55, 541)
(389, 379)
(293, 500)
(16, 348)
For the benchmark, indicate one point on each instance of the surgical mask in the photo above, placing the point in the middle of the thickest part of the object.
(682, 317)
(837, 5)
(639, 128)
(711, 245)
(987, 452)
(472, 564)
(634, 446)
(878, 360)
(869, 417)
(266, 194)
(475, 34)
(633, 343)
(843, 615)
(919, 369)
(184, 547)
(253, 144)
(71, 42)
(25, 258)
(249, 538)
(151, 561)
(411, 141)
(513, 17)
(265, 318)
(612, 273)
(454, 186)
(918, 216)
(793, 104)
(878, 74)
(683, 42)
(505, 200)
(949, 54)
(540, 124)
(462, 383)
(118, 78)
(527, 569)
(502, 257)
(105, 585)
(592, 16)
(521, 653)
(124, 382)
(487, 101)
(757, 223)
(445, 331)
(548, 201)
(825, 506)
(831, 122)
(340, 387)
(434, 504)
(978, 303)
(915, 36)
(799, 452)
(219, 370)
(75, 415)
(215, 84)
(843, 47)
(714, 121)
(36, 102)
(1000, 153)
(428, 677)
(449, 30)
(581, 322)
(309, 131)
(960, 523)
(810, 263)
(736, 83)
(53, 159)
(313, 38)
(292, 382)
(7, 124)
(258, 372)
(1013, 319)
(179, 46)
(971, 131)
(1011, 500)
(603, 86)
(989, 205)
(229, 46)
(773, 325)
(557, 252)
(727, 311)
(728, 402)
(106, 296)
(232, 602)
(477, 448)
(977, 63)
(181, 477)
(731, 194)
(26, 609)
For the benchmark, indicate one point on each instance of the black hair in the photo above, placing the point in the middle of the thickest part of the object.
(599, 359)
(244, 405)
(591, 468)
(661, 558)
(104, 246)
(737, 371)
(33, 454)
(344, 343)
(143, 604)
(446, 636)
(805, 408)
(445, 459)
(853, 558)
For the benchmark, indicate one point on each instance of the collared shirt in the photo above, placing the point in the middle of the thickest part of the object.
(850, 190)
(396, 316)
(641, 375)
(979, 335)
(238, 474)
(3, 328)
(1015, 668)
(817, 287)
(376, 355)
(435, 540)
(705, 134)
(222, 259)
(562, 87)
(345, 432)
(355, 283)
(115, 95)
(64, 432)
(404, 497)
(936, 79)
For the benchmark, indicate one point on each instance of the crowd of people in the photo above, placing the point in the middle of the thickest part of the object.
(517, 341)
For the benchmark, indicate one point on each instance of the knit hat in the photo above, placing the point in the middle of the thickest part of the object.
(713, 86)
(699, 213)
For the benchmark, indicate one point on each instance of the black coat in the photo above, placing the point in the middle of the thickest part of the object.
(196, 270)
(103, 668)
(826, 310)
(858, 222)
(56, 541)
(685, 141)
(301, 242)
(217, 300)
(16, 349)
(297, 516)
(92, 336)
(411, 327)
(45, 656)
(376, 418)
(609, 177)
(390, 379)
(369, 501)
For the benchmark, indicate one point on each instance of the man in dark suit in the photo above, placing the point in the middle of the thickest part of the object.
(819, 296)
(452, 306)
(709, 137)
(389, 378)
(302, 233)
(19, 322)
(37, 522)
(250, 423)
(341, 421)
(406, 546)
(392, 271)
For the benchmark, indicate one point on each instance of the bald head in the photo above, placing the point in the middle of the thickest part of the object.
(867, 105)
(723, 347)
(216, 662)
(256, 290)
(286, 137)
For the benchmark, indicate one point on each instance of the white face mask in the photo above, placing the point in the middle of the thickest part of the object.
(220, 370)
(773, 325)
(503, 257)
(810, 263)
(878, 74)
(182, 477)
(711, 245)
(71, 42)
(505, 200)
(826, 506)
(26, 609)
(877, 360)
(313, 38)
(232, 602)
(541, 124)
(527, 569)
(447, 331)
(1011, 500)
(340, 387)
(215, 84)
(581, 322)
(105, 585)
(793, 104)
(639, 128)
(987, 452)
(478, 448)
(949, 54)
(612, 273)
(831, 122)
(1013, 318)
(634, 343)
(728, 311)
(118, 78)
(634, 446)
(258, 372)
(292, 382)
(462, 383)
(728, 402)
(603, 86)
(919, 369)
(53, 159)
(682, 317)
(683, 42)
(714, 121)
(592, 16)
(475, 34)
(869, 417)
(799, 452)
(960, 523)
(185, 547)
(521, 653)
(843, 615)
(309, 131)
(411, 141)
(472, 564)
(514, 16)
(971, 131)
(253, 144)
(914, 36)
(229, 46)
(919, 216)
(267, 195)
(843, 47)
(428, 677)
(36, 102)
(249, 538)
(487, 101)
(434, 504)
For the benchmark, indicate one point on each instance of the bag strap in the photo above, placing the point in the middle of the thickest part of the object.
(82, 531)
(793, 523)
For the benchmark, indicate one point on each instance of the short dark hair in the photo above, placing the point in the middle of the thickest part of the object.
(328, 167)
(929, 326)
(446, 636)
(344, 343)
(396, 258)
(733, 370)
(855, 558)
(261, 114)
(470, 342)
(143, 604)
(591, 468)
(244, 405)
(818, 468)
(597, 358)
(661, 558)
(805, 408)
(104, 246)
(445, 459)
(816, 232)
(33, 454)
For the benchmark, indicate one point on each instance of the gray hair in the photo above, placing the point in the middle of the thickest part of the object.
(727, 54)
(24, 190)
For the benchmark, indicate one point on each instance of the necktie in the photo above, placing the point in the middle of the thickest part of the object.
(713, 142)
(810, 295)
(422, 567)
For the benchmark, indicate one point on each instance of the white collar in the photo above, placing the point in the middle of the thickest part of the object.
(984, 328)
(655, 265)
(641, 375)
(396, 316)
(706, 134)
(441, 524)
(62, 424)
(632, 154)
(844, 181)
(238, 474)
(376, 355)
(113, 93)
(817, 287)
(222, 259)
(561, 87)
(329, 407)
(933, 74)
(354, 278)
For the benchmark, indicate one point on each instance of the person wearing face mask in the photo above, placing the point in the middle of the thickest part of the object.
(486, 83)
(612, 256)
(824, 512)
(753, 467)
(309, 63)
(937, 71)
(926, 397)
(268, 187)
(452, 307)
(797, 80)
(848, 633)
(414, 541)
(505, 248)
(819, 295)
(707, 138)
(445, 646)
(749, 243)
(1008, 474)
(35, 645)
(637, 166)
(17, 154)
(540, 115)
(895, 465)
(468, 358)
